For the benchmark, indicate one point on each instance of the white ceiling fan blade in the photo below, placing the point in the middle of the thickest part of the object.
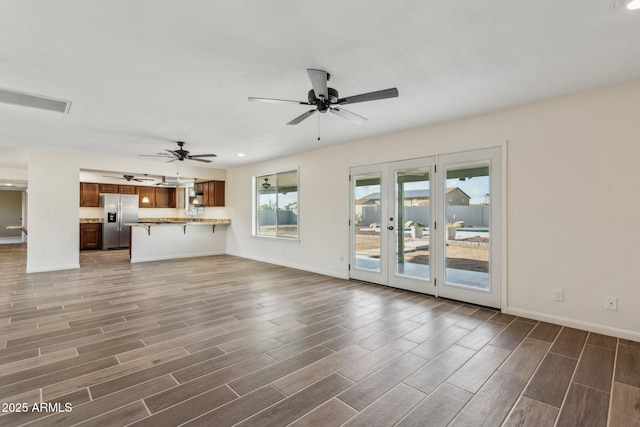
(345, 114)
(319, 82)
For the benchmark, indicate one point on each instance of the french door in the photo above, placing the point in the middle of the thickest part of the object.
(430, 225)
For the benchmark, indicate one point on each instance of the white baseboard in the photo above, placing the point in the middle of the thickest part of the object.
(167, 257)
(577, 324)
(53, 268)
(294, 266)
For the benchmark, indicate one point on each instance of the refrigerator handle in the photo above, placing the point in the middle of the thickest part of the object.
(120, 216)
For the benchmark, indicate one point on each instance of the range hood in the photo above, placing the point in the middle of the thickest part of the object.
(174, 181)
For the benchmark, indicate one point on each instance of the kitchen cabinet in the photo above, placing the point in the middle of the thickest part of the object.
(127, 189)
(117, 189)
(212, 192)
(218, 198)
(109, 188)
(89, 194)
(150, 193)
(159, 197)
(165, 197)
(198, 188)
(90, 236)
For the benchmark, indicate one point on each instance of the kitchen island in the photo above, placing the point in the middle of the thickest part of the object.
(168, 238)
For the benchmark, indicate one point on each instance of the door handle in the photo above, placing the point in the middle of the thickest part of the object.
(390, 227)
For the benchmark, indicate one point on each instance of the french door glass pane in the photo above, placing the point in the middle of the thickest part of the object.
(412, 204)
(467, 201)
(368, 219)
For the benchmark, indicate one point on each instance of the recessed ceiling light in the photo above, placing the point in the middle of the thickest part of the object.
(240, 154)
(632, 4)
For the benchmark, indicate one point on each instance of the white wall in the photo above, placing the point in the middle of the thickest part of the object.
(569, 160)
(53, 212)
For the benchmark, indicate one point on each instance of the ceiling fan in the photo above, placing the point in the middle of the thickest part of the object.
(130, 178)
(326, 98)
(181, 154)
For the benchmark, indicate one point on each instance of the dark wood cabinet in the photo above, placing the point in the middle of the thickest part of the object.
(159, 197)
(165, 197)
(90, 236)
(218, 196)
(212, 193)
(126, 189)
(109, 188)
(89, 195)
(149, 193)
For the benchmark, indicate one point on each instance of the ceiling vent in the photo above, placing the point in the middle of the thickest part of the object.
(35, 101)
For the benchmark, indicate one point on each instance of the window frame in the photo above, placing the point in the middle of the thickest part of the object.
(275, 188)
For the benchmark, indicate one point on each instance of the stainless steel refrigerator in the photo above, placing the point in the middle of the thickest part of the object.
(119, 209)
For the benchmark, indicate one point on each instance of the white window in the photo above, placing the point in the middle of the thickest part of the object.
(276, 205)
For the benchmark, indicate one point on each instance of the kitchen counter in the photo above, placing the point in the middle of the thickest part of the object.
(90, 220)
(22, 228)
(154, 239)
(182, 220)
(144, 222)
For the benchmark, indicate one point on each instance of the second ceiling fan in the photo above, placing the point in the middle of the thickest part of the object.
(325, 98)
(181, 154)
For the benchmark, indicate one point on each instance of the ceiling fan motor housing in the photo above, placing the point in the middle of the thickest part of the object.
(323, 104)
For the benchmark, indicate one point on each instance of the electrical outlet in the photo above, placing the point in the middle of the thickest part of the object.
(558, 294)
(611, 303)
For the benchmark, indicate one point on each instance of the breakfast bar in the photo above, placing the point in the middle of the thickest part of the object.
(160, 239)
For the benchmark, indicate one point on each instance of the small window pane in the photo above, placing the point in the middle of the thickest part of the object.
(288, 204)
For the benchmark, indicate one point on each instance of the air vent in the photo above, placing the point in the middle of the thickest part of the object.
(35, 101)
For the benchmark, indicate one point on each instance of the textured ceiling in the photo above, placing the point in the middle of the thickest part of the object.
(143, 74)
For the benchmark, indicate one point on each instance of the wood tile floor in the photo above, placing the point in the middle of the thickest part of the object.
(221, 341)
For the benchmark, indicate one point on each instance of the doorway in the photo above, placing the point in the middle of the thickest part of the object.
(430, 225)
(12, 206)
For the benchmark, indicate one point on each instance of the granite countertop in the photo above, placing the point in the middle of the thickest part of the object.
(180, 221)
(169, 221)
(90, 220)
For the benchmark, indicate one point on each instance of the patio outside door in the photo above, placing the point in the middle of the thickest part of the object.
(430, 225)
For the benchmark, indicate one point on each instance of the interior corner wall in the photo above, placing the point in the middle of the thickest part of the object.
(571, 205)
